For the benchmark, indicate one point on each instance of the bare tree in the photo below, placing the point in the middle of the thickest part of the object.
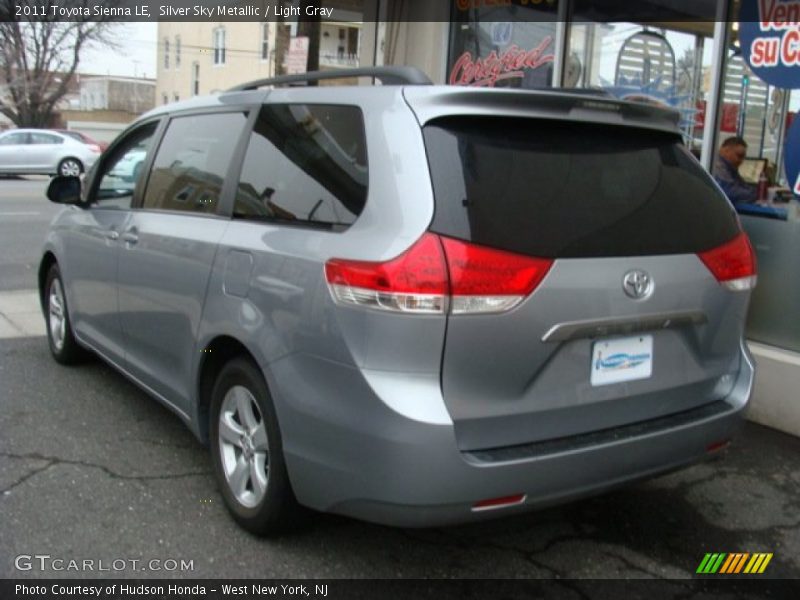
(39, 55)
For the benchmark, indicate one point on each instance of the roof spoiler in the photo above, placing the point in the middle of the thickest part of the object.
(387, 76)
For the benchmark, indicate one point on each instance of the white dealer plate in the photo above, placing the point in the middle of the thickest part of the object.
(622, 359)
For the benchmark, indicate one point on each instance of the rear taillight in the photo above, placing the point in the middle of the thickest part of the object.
(733, 263)
(94, 148)
(488, 280)
(414, 282)
(474, 279)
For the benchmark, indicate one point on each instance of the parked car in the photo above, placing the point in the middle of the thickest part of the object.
(86, 139)
(130, 166)
(411, 304)
(44, 152)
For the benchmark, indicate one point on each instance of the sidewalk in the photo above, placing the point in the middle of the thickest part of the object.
(20, 314)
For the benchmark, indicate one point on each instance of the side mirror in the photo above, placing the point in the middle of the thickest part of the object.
(64, 190)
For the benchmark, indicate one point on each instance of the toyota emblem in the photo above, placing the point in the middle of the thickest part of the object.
(637, 284)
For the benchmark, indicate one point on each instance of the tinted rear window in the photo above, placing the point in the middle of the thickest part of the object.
(559, 189)
(305, 164)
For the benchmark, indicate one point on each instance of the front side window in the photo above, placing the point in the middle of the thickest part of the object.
(121, 172)
(191, 163)
(13, 139)
(219, 46)
(305, 164)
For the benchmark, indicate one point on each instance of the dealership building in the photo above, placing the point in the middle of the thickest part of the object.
(729, 67)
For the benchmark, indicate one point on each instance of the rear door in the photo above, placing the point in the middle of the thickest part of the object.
(168, 247)
(13, 150)
(45, 151)
(628, 324)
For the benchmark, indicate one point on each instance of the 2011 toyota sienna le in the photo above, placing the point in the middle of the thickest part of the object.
(407, 303)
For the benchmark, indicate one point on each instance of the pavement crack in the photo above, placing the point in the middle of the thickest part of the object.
(25, 477)
(466, 543)
(55, 460)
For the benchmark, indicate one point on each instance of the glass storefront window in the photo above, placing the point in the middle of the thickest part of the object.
(787, 120)
(502, 45)
(646, 63)
(747, 105)
(754, 110)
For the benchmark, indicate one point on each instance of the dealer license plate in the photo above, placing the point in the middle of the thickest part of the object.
(622, 359)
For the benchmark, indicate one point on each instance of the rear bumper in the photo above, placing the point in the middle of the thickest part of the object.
(387, 468)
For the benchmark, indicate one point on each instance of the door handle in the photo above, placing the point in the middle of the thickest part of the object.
(131, 236)
(112, 235)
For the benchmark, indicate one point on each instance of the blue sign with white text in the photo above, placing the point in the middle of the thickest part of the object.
(769, 32)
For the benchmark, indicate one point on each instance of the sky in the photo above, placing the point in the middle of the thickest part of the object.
(135, 56)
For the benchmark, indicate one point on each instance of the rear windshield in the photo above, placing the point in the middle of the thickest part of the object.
(560, 190)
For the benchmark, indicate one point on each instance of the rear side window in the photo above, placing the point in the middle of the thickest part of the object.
(306, 164)
(191, 162)
(560, 190)
(45, 138)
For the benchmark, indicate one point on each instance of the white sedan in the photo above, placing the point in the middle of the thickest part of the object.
(45, 152)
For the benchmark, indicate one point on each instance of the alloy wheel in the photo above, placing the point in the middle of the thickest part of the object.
(57, 315)
(243, 446)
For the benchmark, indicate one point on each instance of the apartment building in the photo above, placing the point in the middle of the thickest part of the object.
(196, 58)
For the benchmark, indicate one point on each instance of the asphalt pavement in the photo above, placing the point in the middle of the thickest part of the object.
(93, 469)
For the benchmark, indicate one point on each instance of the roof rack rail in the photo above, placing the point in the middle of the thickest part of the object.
(387, 75)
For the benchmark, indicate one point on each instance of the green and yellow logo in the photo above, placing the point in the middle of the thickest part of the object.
(735, 563)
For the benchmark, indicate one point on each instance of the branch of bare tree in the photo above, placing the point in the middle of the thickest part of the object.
(39, 57)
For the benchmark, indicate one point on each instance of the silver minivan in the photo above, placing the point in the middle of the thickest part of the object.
(411, 304)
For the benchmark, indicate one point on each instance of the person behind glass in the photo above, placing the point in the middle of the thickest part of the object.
(726, 171)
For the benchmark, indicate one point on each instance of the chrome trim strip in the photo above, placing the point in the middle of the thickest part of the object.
(591, 328)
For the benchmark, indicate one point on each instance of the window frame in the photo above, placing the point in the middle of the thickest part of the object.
(219, 46)
(177, 52)
(166, 53)
(195, 80)
(224, 209)
(299, 224)
(264, 45)
(95, 175)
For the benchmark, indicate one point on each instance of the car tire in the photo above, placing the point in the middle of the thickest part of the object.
(247, 451)
(63, 345)
(70, 167)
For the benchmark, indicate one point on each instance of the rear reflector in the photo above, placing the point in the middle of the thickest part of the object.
(716, 446)
(733, 263)
(435, 270)
(503, 502)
